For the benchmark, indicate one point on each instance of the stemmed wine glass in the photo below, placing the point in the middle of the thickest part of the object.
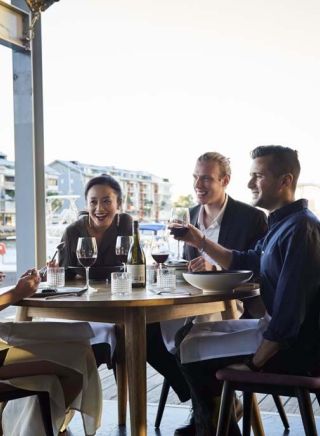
(160, 249)
(179, 220)
(87, 253)
(122, 248)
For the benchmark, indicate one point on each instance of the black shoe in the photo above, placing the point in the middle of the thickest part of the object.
(188, 429)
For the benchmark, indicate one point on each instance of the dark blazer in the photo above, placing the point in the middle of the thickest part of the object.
(241, 227)
(121, 225)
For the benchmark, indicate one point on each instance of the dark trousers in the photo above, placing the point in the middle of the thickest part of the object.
(164, 362)
(205, 391)
(205, 388)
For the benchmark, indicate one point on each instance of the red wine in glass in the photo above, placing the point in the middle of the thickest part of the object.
(178, 231)
(178, 224)
(87, 253)
(87, 261)
(123, 244)
(160, 258)
(160, 249)
(122, 257)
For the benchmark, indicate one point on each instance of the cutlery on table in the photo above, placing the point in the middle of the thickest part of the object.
(67, 294)
(163, 291)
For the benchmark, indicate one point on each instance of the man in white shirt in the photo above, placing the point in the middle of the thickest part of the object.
(222, 219)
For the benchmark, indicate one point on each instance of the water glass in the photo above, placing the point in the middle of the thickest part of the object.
(166, 278)
(55, 276)
(150, 275)
(121, 283)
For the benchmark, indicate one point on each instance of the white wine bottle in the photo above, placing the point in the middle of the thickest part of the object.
(136, 263)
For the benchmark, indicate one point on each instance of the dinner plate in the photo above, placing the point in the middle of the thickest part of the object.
(217, 280)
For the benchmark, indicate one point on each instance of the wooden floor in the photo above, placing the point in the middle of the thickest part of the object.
(177, 413)
(154, 384)
(173, 417)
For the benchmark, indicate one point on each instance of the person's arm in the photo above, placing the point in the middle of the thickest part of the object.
(266, 350)
(25, 287)
(196, 238)
(200, 264)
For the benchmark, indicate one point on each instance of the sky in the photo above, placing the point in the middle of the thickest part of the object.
(150, 85)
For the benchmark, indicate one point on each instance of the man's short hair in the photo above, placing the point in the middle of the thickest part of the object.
(222, 161)
(284, 160)
(106, 180)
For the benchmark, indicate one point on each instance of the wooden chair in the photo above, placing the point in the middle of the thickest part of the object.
(8, 392)
(164, 396)
(269, 383)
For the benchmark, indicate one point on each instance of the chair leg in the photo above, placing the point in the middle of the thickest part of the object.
(256, 420)
(162, 402)
(306, 411)
(225, 409)
(44, 401)
(247, 410)
(281, 411)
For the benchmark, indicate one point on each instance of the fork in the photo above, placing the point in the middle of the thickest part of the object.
(67, 294)
(162, 291)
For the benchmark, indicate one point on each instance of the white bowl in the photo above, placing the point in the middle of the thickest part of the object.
(217, 280)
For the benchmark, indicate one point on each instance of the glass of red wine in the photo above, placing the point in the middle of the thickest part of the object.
(160, 249)
(87, 253)
(122, 248)
(178, 224)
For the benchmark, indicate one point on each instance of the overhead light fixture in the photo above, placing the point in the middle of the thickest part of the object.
(36, 7)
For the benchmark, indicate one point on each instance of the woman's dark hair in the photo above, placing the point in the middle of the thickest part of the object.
(284, 160)
(106, 180)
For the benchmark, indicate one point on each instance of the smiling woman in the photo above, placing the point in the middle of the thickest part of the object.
(102, 221)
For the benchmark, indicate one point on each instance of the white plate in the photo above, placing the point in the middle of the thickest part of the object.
(217, 280)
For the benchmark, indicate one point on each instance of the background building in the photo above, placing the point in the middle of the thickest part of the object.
(146, 196)
(7, 193)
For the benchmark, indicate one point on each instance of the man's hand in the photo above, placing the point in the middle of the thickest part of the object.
(27, 284)
(200, 264)
(192, 237)
(239, 367)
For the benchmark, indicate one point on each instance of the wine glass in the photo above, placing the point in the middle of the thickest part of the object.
(122, 248)
(160, 249)
(178, 222)
(87, 253)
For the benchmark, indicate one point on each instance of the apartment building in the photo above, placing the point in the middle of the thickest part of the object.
(7, 193)
(145, 196)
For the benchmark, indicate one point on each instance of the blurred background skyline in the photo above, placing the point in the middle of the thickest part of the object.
(151, 85)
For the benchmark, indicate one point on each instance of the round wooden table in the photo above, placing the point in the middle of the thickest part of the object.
(131, 314)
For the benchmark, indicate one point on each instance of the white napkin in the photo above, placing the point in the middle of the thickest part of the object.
(210, 340)
(22, 333)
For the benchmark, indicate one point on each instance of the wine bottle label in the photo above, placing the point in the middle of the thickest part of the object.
(138, 273)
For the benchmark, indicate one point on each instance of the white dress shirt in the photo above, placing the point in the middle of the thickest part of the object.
(212, 231)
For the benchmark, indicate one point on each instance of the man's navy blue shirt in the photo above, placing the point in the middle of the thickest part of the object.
(288, 261)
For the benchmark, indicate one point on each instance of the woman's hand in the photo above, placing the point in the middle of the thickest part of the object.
(200, 264)
(52, 264)
(27, 284)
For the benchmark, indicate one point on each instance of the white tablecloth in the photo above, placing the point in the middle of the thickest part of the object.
(211, 340)
(22, 417)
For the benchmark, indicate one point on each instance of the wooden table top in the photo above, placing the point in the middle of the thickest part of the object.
(141, 297)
